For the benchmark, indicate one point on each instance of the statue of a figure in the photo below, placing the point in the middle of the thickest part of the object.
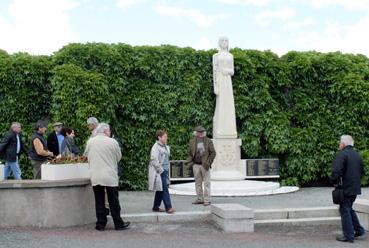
(224, 122)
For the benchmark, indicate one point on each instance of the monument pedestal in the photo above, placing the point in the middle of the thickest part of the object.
(227, 163)
(234, 188)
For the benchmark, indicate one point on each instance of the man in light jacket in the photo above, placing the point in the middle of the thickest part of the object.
(103, 155)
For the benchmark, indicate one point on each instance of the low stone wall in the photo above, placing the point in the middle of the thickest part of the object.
(37, 203)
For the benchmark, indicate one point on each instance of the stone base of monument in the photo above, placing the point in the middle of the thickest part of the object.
(227, 176)
(227, 165)
(234, 188)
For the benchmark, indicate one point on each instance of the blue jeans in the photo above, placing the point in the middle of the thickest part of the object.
(349, 219)
(163, 195)
(14, 167)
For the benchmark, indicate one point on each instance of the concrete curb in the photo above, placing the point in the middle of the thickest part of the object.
(164, 217)
(263, 217)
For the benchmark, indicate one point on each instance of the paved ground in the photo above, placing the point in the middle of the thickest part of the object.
(141, 202)
(174, 235)
(190, 234)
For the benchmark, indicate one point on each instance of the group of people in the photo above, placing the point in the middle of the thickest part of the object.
(60, 142)
(104, 153)
(201, 154)
(347, 169)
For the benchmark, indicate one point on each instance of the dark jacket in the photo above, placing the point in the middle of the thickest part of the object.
(8, 146)
(68, 147)
(32, 152)
(208, 156)
(348, 164)
(53, 143)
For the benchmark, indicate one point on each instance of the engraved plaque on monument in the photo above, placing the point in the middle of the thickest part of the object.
(273, 166)
(179, 172)
(251, 166)
(176, 169)
(262, 168)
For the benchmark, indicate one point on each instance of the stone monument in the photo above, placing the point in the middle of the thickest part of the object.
(227, 164)
(228, 171)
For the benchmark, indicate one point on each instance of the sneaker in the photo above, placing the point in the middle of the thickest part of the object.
(197, 202)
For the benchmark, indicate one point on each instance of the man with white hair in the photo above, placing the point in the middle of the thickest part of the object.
(12, 146)
(348, 168)
(92, 124)
(103, 155)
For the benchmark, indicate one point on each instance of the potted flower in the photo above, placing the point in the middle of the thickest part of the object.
(63, 168)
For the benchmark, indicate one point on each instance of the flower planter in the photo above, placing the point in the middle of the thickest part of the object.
(1, 172)
(65, 171)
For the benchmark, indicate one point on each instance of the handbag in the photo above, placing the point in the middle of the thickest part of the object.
(337, 193)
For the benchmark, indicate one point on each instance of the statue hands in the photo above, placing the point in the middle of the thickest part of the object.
(227, 72)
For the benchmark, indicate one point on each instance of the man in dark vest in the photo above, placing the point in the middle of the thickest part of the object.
(55, 139)
(201, 154)
(348, 166)
(12, 146)
(38, 149)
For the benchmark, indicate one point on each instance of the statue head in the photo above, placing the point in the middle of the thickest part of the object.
(223, 43)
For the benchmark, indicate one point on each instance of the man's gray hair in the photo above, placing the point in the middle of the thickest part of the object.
(15, 124)
(347, 140)
(102, 128)
(92, 121)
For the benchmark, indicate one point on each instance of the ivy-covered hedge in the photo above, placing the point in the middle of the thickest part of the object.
(294, 107)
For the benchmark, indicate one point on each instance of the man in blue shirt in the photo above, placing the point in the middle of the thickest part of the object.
(55, 139)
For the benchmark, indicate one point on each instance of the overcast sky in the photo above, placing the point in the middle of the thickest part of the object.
(44, 26)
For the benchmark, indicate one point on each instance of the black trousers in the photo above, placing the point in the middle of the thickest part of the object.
(113, 199)
(349, 219)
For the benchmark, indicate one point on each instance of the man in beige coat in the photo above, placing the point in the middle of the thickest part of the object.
(103, 155)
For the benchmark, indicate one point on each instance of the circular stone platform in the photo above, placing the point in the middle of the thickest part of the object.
(234, 188)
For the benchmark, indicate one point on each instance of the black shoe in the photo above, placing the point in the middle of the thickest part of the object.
(101, 229)
(107, 211)
(124, 226)
(357, 235)
(342, 238)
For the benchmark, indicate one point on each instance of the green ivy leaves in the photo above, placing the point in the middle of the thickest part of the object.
(294, 107)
